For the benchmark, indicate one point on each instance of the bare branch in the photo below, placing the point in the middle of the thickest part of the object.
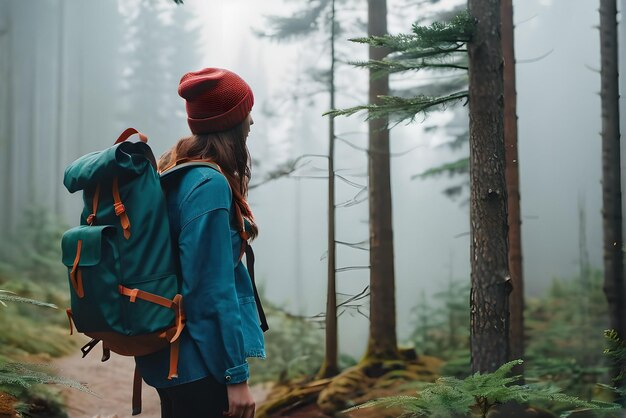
(531, 60)
(351, 268)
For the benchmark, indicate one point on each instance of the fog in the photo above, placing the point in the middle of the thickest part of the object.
(76, 73)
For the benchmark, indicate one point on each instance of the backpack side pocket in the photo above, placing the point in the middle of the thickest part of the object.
(91, 256)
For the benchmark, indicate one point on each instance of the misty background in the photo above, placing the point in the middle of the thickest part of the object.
(74, 74)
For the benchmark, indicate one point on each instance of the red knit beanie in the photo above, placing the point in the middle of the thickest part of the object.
(217, 99)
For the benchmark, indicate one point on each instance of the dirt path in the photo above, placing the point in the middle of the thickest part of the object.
(113, 382)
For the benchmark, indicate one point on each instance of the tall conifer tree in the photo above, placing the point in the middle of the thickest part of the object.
(303, 23)
(516, 299)
(439, 47)
(614, 286)
(382, 336)
(330, 366)
(489, 322)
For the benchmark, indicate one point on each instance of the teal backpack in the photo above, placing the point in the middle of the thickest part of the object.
(121, 265)
(122, 273)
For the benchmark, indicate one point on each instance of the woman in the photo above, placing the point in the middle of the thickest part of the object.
(209, 219)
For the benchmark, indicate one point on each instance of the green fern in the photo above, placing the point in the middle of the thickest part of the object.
(564, 340)
(8, 296)
(616, 351)
(26, 375)
(18, 378)
(477, 394)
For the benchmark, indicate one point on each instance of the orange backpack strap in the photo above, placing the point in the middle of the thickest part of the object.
(76, 277)
(174, 332)
(70, 319)
(174, 349)
(173, 339)
(137, 392)
(130, 132)
(134, 294)
(175, 304)
(120, 210)
(94, 206)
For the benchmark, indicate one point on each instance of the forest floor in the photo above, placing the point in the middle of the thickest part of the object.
(112, 382)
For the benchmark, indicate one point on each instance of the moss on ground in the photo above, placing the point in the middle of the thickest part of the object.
(367, 380)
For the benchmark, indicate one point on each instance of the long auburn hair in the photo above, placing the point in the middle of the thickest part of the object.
(228, 150)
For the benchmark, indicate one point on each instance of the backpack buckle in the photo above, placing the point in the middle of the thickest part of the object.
(119, 208)
(89, 346)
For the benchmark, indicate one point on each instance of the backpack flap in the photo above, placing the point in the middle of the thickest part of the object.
(91, 237)
(126, 158)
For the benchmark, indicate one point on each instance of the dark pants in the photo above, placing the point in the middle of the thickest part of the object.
(205, 398)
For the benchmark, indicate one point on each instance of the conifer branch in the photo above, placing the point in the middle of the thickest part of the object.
(300, 24)
(26, 375)
(461, 166)
(616, 351)
(400, 109)
(415, 54)
(382, 67)
(7, 296)
(439, 35)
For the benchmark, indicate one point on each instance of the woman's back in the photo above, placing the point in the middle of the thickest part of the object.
(222, 322)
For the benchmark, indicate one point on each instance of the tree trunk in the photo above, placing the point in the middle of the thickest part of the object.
(382, 336)
(516, 299)
(330, 366)
(60, 148)
(622, 69)
(6, 118)
(611, 184)
(489, 328)
(586, 329)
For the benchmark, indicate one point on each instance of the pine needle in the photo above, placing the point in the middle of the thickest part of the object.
(400, 109)
(26, 375)
(7, 296)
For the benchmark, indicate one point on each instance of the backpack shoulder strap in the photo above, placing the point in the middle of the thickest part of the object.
(181, 167)
(257, 299)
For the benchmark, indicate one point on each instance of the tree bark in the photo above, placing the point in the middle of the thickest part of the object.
(489, 328)
(622, 67)
(330, 366)
(516, 298)
(60, 149)
(6, 118)
(382, 336)
(611, 184)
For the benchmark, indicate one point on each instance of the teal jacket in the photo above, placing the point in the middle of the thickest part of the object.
(222, 328)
